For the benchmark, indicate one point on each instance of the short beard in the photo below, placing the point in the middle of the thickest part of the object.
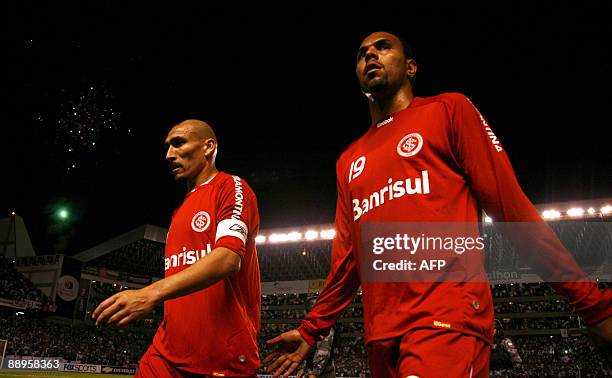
(376, 85)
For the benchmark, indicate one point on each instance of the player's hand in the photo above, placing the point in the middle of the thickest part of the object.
(125, 307)
(300, 374)
(293, 349)
(601, 333)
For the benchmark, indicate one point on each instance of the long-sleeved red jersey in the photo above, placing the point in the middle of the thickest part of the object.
(214, 331)
(447, 165)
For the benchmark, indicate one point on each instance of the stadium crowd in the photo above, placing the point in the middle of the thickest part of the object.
(541, 323)
(33, 336)
(521, 290)
(556, 356)
(13, 285)
(541, 306)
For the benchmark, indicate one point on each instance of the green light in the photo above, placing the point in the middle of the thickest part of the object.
(63, 214)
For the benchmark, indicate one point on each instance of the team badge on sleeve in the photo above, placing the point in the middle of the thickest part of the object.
(200, 221)
(410, 145)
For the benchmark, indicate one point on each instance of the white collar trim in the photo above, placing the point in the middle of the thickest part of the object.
(206, 182)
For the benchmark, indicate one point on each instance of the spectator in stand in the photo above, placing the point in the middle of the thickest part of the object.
(14, 286)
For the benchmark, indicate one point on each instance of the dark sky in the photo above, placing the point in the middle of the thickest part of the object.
(277, 83)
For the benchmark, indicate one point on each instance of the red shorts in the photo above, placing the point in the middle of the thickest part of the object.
(427, 353)
(153, 365)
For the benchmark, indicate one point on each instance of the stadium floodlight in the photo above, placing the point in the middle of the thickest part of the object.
(294, 236)
(260, 239)
(575, 212)
(311, 235)
(606, 210)
(551, 214)
(488, 220)
(278, 238)
(591, 211)
(328, 234)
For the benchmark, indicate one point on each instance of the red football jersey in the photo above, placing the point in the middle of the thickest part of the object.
(441, 162)
(214, 331)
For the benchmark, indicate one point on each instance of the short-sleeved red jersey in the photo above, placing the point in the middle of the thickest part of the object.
(214, 331)
(435, 161)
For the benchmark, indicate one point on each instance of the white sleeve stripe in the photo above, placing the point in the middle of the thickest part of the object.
(232, 227)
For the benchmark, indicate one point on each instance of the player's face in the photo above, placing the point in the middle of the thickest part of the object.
(380, 62)
(186, 153)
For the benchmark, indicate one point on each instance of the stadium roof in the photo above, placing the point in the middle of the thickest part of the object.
(14, 238)
(145, 232)
(301, 251)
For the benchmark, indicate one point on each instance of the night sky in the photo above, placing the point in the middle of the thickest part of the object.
(90, 90)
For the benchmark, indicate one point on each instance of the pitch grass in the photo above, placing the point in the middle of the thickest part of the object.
(54, 374)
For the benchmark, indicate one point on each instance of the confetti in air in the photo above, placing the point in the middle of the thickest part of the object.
(82, 121)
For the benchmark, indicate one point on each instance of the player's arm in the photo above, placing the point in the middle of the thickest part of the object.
(222, 262)
(130, 305)
(492, 180)
(219, 264)
(343, 280)
(340, 288)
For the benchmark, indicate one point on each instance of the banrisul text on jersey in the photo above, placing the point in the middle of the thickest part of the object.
(393, 189)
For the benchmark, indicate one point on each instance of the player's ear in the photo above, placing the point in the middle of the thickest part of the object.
(211, 147)
(411, 68)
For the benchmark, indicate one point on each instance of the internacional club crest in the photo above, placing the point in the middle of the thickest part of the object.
(410, 145)
(200, 221)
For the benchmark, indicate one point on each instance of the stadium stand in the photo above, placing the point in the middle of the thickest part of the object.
(550, 339)
(541, 344)
(28, 335)
(14, 286)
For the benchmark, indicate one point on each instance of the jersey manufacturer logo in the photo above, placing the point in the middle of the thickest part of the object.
(441, 324)
(385, 122)
(200, 221)
(238, 228)
(410, 145)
